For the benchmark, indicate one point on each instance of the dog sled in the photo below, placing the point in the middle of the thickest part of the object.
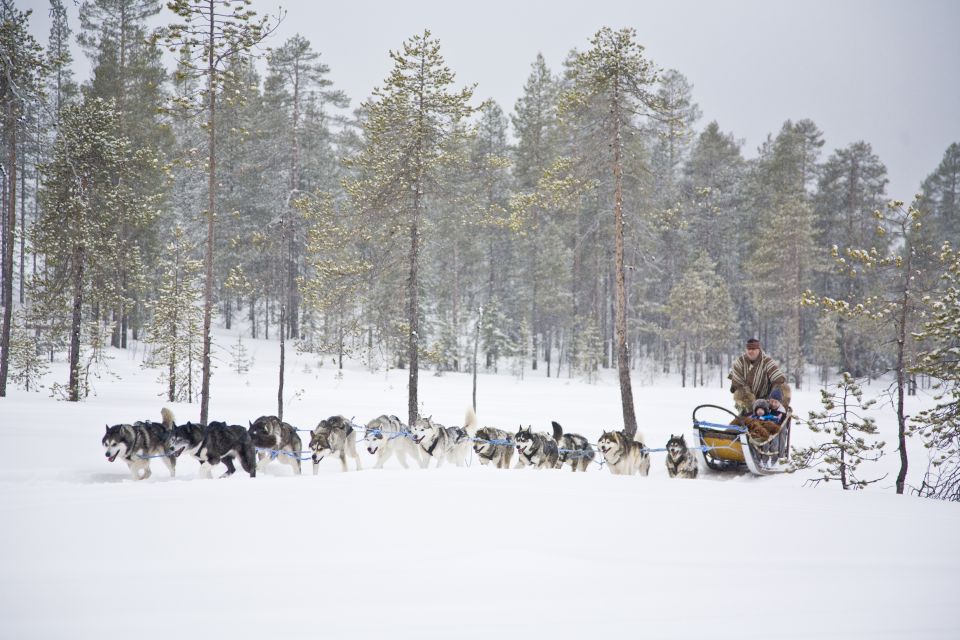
(728, 446)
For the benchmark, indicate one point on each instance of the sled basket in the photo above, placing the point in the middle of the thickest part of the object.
(726, 447)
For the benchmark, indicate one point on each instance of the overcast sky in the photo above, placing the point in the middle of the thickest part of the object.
(882, 71)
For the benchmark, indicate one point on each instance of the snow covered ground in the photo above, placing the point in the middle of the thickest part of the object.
(447, 553)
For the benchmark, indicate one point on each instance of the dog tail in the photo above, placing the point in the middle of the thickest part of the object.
(557, 431)
(470, 422)
(166, 417)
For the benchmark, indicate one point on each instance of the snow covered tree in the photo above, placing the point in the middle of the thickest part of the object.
(21, 63)
(941, 196)
(174, 330)
(615, 73)
(701, 314)
(128, 69)
(850, 431)
(410, 122)
(212, 33)
(535, 126)
(297, 80)
(939, 339)
(240, 359)
(826, 350)
(895, 308)
(61, 87)
(851, 187)
(28, 362)
(86, 192)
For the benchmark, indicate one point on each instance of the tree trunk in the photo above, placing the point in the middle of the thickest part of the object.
(79, 257)
(211, 214)
(623, 361)
(412, 312)
(8, 242)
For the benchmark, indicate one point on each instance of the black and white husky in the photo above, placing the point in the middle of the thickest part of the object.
(138, 442)
(223, 443)
(334, 436)
(440, 443)
(624, 455)
(494, 446)
(188, 438)
(386, 436)
(573, 448)
(280, 440)
(681, 463)
(537, 450)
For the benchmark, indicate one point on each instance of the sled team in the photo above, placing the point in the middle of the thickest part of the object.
(758, 385)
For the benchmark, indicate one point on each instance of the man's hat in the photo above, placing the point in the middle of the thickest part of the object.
(753, 343)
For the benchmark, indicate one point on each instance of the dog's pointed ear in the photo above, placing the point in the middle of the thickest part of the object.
(107, 427)
(250, 423)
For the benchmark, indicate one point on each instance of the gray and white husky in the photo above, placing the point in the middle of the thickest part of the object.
(282, 440)
(386, 436)
(223, 443)
(572, 448)
(681, 463)
(624, 455)
(537, 450)
(440, 443)
(334, 436)
(494, 446)
(138, 442)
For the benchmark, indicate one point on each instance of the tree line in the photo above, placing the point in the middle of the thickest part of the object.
(597, 224)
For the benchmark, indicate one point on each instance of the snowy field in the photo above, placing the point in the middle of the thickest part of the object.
(454, 552)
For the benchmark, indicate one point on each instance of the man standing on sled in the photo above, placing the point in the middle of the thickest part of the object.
(756, 375)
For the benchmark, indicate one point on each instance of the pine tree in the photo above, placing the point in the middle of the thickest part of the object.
(86, 190)
(844, 421)
(896, 307)
(826, 350)
(939, 338)
(701, 313)
(941, 195)
(615, 72)
(127, 69)
(851, 187)
(214, 32)
(28, 363)
(21, 65)
(240, 360)
(536, 128)
(410, 121)
(176, 319)
(61, 87)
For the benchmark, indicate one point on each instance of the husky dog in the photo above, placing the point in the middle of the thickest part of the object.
(137, 443)
(537, 450)
(573, 448)
(624, 455)
(268, 432)
(680, 461)
(335, 435)
(444, 444)
(494, 446)
(223, 443)
(385, 436)
(188, 437)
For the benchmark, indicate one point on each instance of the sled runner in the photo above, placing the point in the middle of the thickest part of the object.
(723, 447)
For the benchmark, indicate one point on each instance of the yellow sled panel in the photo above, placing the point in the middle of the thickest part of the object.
(726, 449)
